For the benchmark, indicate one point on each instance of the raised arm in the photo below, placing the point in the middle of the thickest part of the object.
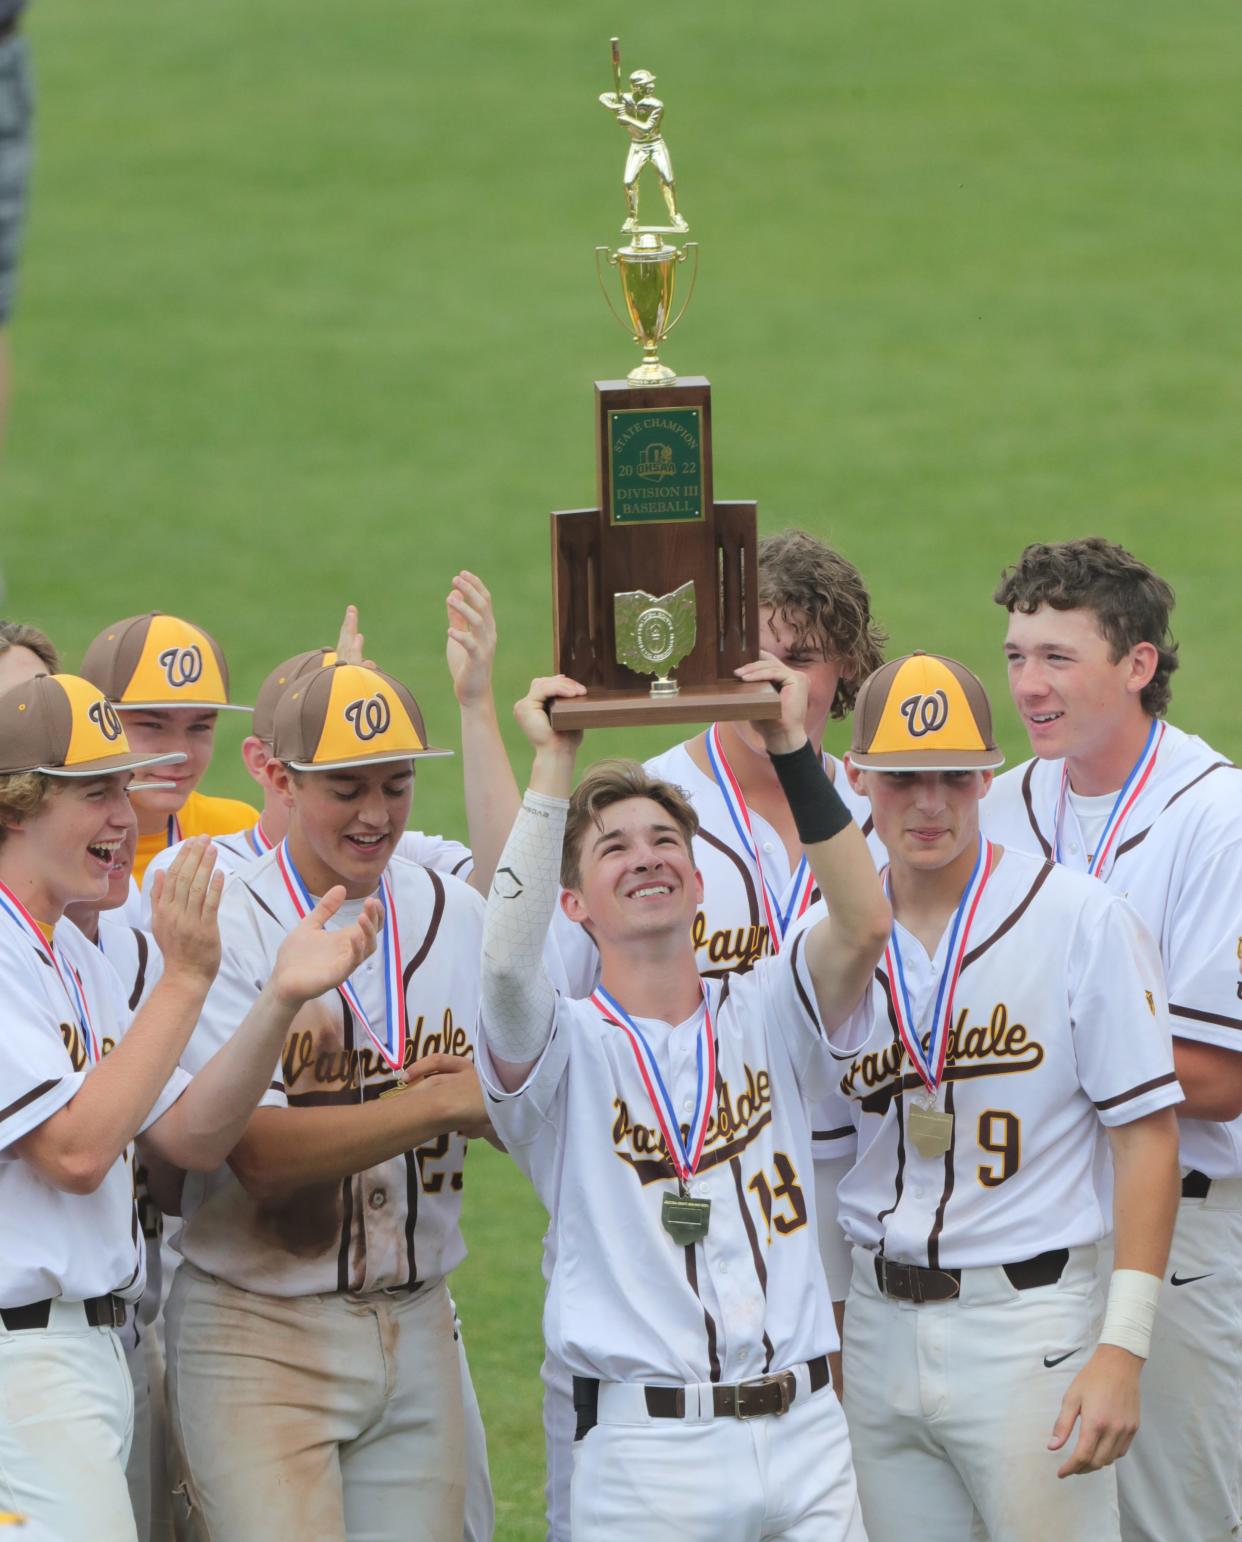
(518, 1000)
(492, 796)
(843, 949)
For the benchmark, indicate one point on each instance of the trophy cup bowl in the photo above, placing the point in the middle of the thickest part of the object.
(648, 272)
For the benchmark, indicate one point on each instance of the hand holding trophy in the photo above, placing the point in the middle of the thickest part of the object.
(659, 577)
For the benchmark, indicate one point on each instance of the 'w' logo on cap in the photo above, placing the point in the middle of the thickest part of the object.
(182, 666)
(103, 715)
(369, 717)
(925, 714)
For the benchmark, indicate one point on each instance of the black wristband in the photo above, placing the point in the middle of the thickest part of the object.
(816, 805)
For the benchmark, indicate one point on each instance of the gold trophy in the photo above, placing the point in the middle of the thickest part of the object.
(659, 575)
(648, 265)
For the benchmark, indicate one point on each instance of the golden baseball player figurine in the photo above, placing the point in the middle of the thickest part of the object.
(640, 113)
(1118, 792)
(1014, 1037)
(664, 1121)
(169, 682)
(312, 1368)
(71, 1253)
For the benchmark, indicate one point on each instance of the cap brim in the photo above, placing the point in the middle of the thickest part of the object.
(931, 760)
(105, 765)
(180, 706)
(430, 753)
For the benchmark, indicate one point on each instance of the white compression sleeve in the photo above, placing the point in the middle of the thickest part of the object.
(518, 998)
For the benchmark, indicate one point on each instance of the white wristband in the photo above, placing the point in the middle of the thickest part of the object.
(1131, 1310)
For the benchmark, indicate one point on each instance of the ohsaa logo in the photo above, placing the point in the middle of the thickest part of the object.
(369, 716)
(103, 715)
(925, 714)
(182, 666)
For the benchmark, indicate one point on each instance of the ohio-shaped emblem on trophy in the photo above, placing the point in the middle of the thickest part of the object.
(654, 635)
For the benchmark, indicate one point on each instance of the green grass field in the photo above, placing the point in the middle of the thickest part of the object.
(309, 316)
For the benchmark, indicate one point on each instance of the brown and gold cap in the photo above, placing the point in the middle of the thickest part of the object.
(273, 688)
(347, 715)
(63, 725)
(923, 713)
(159, 661)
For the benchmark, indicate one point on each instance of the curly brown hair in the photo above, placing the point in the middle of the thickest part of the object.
(815, 590)
(609, 782)
(22, 795)
(1131, 604)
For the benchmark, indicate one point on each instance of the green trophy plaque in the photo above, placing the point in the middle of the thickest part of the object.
(655, 590)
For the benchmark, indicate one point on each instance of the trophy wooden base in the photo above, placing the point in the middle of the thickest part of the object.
(722, 702)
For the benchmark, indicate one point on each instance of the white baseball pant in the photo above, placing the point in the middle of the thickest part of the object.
(323, 1418)
(1180, 1479)
(951, 1405)
(559, 1422)
(784, 1476)
(138, 1467)
(66, 1423)
(480, 1514)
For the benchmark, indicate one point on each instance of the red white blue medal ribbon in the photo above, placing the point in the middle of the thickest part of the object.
(257, 840)
(1131, 790)
(684, 1152)
(16, 912)
(392, 1045)
(174, 831)
(801, 886)
(929, 1063)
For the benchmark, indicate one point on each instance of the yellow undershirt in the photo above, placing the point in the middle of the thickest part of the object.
(200, 815)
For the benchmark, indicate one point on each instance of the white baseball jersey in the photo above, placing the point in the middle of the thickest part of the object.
(1059, 1028)
(626, 1302)
(235, 851)
(52, 1243)
(392, 1225)
(1177, 861)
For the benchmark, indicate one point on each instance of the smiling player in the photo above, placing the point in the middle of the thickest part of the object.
(1155, 814)
(312, 1368)
(71, 1256)
(686, 1293)
(1017, 1020)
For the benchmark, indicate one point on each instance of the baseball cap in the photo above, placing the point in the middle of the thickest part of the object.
(923, 712)
(159, 661)
(63, 725)
(347, 715)
(273, 688)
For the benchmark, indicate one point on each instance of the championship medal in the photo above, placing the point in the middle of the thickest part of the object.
(684, 1217)
(931, 1128)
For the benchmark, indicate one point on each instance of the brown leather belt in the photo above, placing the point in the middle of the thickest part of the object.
(912, 1282)
(1196, 1185)
(743, 1400)
(100, 1312)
